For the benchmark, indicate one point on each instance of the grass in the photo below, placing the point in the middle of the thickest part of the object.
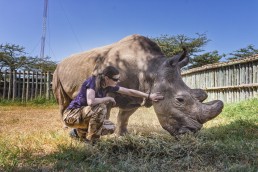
(32, 138)
(39, 101)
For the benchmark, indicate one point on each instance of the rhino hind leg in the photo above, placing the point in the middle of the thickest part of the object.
(122, 121)
(60, 95)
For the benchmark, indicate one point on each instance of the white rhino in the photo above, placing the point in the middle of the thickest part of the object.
(144, 67)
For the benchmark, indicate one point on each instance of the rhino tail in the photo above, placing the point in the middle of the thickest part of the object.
(60, 95)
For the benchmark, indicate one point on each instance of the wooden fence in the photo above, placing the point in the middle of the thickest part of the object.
(25, 85)
(229, 81)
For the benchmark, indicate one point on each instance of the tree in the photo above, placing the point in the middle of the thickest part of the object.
(243, 53)
(204, 59)
(42, 65)
(172, 45)
(1, 62)
(13, 56)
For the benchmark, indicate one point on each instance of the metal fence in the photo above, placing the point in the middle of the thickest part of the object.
(229, 81)
(25, 85)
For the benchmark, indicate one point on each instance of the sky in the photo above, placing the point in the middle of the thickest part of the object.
(73, 26)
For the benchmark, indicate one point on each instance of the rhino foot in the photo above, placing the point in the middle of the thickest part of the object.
(121, 132)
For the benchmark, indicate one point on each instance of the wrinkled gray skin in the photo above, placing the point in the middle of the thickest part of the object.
(142, 66)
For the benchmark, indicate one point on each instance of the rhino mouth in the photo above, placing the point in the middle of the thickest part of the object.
(184, 130)
(174, 131)
(179, 126)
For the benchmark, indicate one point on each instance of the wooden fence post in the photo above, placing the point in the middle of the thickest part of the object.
(48, 86)
(23, 87)
(10, 85)
(28, 85)
(32, 86)
(36, 88)
(4, 90)
(41, 83)
(14, 84)
(19, 84)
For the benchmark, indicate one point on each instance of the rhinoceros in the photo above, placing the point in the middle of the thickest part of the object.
(143, 67)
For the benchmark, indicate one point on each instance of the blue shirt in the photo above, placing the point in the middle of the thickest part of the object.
(81, 99)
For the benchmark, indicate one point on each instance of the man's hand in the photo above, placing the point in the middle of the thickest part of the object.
(156, 96)
(111, 100)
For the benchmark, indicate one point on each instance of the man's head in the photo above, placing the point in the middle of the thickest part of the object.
(111, 75)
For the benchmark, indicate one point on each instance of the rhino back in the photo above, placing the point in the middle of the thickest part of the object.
(73, 70)
(130, 55)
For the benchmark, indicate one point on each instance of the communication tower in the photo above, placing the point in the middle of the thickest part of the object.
(44, 28)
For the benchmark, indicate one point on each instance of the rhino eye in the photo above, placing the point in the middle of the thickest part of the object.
(181, 100)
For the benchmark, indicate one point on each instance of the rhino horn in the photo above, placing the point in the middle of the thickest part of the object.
(181, 59)
(210, 110)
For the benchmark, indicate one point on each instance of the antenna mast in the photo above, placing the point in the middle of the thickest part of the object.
(43, 38)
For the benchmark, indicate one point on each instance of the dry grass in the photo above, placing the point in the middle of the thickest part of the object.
(32, 139)
(35, 128)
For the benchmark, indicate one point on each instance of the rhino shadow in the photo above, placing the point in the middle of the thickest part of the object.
(74, 157)
(156, 147)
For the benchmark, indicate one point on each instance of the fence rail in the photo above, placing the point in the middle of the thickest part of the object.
(25, 85)
(230, 81)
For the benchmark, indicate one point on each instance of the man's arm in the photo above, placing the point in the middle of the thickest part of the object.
(92, 100)
(135, 93)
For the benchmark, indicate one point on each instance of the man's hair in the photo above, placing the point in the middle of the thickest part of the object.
(109, 71)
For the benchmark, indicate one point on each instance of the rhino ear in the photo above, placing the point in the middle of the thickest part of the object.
(199, 94)
(181, 59)
(184, 60)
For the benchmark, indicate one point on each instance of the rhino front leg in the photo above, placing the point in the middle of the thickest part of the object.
(122, 121)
